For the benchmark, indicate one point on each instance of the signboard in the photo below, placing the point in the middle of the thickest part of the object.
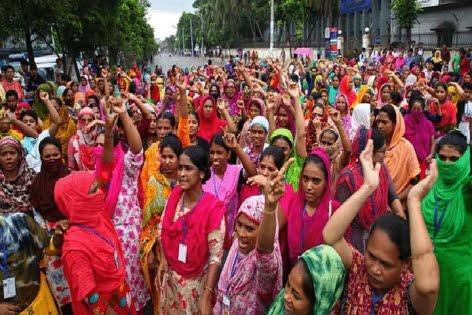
(351, 6)
(428, 3)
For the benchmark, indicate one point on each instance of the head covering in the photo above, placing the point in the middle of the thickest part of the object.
(260, 103)
(38, 104)
(360, 117)
(303, 231)
(14, 195)
(362, 91)
(291, 119)
(352, 178)
(239, 274)
(261, 121)
(117, 172)
(86, 213)
(347, 90)
(399, 152)
(42, 189)
(327, 273)
(84, 143)
(419, 131)
(347, 119)
(60, 90)
(282, 132)
(209, 126)
(452, 197)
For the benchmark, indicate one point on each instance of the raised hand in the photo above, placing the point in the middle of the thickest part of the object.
(180, 82)
(110, 116)
(420, 190)
(230, 140)
(275, 186)
(44, 96)
(335, 116)
(293, 90)
(370, 171)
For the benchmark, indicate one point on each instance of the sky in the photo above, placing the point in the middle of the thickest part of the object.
(163, 15)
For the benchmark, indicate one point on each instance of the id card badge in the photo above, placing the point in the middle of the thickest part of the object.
(117, 260)
(226, 305)
(9, 288)
(182, 253)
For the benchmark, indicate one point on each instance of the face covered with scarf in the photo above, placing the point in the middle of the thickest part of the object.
(330, 141)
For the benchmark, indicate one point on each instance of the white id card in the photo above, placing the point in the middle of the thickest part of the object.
(9, 288)
(226, 305)
(182, 253)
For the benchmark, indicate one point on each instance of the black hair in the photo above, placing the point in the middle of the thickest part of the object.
(308, 286)
(64, 93)
(24, 62)
(398, 232)
(443, 85)
(467, 85)
(390, 111)
(455, 139)
(65, 77)
(281, 137)
(315, 159)
(196, 117)
(319, 106)
(169, 117)
(33, 66)
(29, 112)
(396, 97)
(9, 67)
(378, 139)
(95, 98)
(11, 93)
(199, 157)
(173, 142)
(218, 140)
(276, 153)
(294, 78)
(420, 100)
(49, 140)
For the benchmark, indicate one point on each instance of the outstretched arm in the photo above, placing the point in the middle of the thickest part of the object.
(334, 231)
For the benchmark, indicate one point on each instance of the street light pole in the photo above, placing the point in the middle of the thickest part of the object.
(191, 34)
(272, 26)
(201, 49)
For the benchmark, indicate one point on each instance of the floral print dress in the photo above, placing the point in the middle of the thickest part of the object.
(127, 221)
(180, 295)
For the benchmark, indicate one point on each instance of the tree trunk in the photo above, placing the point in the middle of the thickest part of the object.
(29, 46)
(408, 35)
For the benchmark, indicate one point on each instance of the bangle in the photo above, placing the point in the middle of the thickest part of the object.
(209, 289)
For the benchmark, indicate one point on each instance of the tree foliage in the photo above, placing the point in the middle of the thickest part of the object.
(118, 27)
(406, 12)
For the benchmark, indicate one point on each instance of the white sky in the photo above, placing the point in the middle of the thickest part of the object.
(163, 16)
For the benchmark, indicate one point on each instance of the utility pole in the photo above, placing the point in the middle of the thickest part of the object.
(272, 26)
(201, 49)
(183, 42)
(191, 34)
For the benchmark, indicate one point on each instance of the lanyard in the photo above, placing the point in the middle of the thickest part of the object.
(233, 269)
(3, 267)
(184, 224)
(213, 175)
(303, 228)
(438, 222)
(375, 299)
(108, 241)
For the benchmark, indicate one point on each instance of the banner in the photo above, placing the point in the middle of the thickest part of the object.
(351, 6)
(428, 3)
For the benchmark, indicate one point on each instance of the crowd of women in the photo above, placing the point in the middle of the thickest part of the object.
(312, 187)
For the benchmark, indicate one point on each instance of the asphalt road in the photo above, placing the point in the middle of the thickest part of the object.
(166, 61)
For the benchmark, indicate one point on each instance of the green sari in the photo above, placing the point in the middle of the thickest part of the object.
(447, 211)
(327, 272)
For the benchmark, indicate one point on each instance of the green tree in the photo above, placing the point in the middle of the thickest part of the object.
(406, 12)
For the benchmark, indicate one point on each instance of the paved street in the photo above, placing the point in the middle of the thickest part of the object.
(166, 62)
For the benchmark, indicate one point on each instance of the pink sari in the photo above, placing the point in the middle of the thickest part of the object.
(226, 190)
(303, 231)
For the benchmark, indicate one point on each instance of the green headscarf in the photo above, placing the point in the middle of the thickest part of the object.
(38, 105)
(293, 173)
(327, 272)
(449, 194)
